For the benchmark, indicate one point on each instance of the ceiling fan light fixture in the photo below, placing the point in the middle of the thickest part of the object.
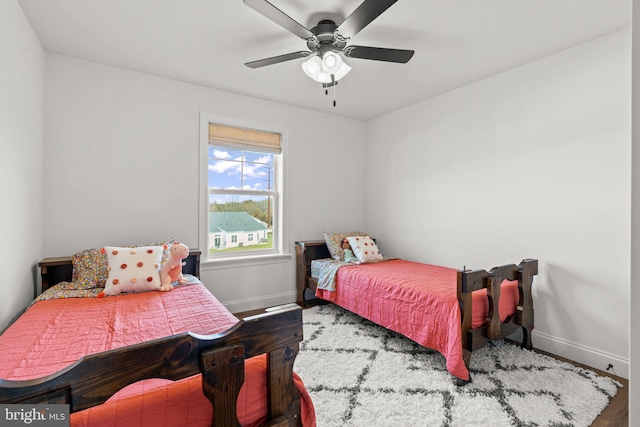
(343, 71)
(314, 69)
(331, 63)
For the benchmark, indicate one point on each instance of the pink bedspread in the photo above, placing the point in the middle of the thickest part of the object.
(417, 300)
(53, 334)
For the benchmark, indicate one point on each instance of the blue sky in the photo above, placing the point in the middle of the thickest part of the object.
(231, 169)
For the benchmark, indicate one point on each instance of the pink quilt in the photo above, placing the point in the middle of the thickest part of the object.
(417, 300)
(53, 334)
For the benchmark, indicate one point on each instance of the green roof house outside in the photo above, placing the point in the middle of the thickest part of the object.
(233, 229)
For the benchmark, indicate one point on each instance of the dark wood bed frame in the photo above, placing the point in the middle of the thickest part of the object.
(468, 282)
(219, 358)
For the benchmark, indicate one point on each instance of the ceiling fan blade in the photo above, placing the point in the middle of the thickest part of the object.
(363, 16)
(379, 53)
(277, 59)
(279, 17)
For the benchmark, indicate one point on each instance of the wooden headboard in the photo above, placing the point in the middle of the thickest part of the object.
(59, 269)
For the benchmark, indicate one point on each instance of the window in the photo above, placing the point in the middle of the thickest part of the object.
(242, 190)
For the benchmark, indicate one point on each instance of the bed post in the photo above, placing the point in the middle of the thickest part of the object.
(223, 369)
(301, 273)
(282, 408)
(464, 300)
(307, 251)
(528, 269)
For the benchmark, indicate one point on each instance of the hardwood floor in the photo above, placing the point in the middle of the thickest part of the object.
(616, 414)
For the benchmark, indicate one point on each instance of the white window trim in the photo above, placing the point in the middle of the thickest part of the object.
(245, 259)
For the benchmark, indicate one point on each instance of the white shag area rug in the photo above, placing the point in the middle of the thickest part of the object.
(359, 374)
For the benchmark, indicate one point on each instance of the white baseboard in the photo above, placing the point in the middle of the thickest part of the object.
(582, 354)
(246, 304)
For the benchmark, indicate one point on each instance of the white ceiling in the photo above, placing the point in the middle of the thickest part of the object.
(207, 42)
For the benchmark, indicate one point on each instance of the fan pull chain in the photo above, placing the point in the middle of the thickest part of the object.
(334, 95)
(326, 89)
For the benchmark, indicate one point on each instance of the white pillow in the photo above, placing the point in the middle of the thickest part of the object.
(133, 269)
(365, 249)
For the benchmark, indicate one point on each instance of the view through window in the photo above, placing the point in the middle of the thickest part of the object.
(242, 191)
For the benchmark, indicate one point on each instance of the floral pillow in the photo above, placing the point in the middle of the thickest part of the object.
(365, 249)
(90, 266)
(89, 269)
(134, 269)
(334, 243)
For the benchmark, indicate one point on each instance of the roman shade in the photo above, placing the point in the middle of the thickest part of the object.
(246, 139)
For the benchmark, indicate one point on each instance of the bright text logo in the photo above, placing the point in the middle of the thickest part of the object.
(36, 415)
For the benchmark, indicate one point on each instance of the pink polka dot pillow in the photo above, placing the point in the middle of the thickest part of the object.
(365, 249)
(133, 269)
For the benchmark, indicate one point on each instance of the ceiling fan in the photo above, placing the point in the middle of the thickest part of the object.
(328, 39)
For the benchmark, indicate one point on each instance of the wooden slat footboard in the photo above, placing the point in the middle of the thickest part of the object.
(470, 281)
(220, 358)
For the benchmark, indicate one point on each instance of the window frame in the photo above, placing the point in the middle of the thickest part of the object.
(277, 253)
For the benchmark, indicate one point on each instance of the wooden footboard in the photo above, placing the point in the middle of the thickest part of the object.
(470, 281)
(219, 358)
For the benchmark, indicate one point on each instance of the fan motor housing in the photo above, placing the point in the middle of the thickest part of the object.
(326, 37)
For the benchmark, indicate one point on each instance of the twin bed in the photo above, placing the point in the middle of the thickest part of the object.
(153, 358)
(454, 312)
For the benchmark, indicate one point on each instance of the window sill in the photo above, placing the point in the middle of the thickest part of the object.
(244, 261)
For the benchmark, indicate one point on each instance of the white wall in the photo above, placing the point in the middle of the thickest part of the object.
(21, 153)
(634, 378)
(122, 168)
(531, 163)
